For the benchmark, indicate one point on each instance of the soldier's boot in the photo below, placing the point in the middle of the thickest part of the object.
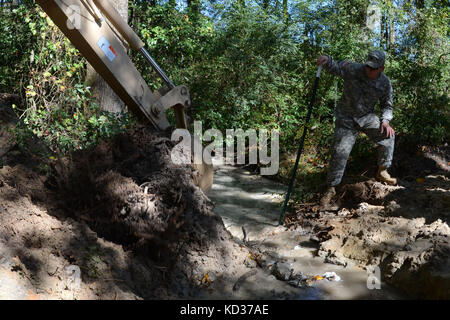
(383, 176)
(326, 202)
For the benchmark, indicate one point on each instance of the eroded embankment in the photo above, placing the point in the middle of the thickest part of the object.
(134, 224)
(403, 230)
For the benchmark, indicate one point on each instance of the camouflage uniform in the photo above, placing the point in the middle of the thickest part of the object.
(355, 112)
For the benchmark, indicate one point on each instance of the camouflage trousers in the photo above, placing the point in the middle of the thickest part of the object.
(345, 133)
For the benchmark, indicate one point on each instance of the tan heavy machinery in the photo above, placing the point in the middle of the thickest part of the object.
(101, 35)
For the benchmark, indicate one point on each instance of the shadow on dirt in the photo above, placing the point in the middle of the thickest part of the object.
(132, 221)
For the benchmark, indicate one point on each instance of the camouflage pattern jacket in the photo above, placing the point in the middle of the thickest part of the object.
(361, 93)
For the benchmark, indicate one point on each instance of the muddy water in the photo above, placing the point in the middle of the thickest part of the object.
(247, 200)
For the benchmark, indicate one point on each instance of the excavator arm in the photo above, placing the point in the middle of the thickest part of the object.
(101, 41)
(101, 35)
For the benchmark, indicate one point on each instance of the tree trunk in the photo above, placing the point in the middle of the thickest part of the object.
(391, 29)
(420, 4)
(105, 96)
(382, 30)
(373, 17)
(285, 13)
(195, 7)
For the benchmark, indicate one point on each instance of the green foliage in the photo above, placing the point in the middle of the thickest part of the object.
(421, 74)
(242, 71)
(249, 70)
(65, 132)
(49, 72)
(245, 66)
(252, 78)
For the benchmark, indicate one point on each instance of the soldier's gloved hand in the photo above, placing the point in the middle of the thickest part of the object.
(385, 127)
(322, 60)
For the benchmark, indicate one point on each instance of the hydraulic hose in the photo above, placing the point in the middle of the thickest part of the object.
(120, 24)
(130, 36)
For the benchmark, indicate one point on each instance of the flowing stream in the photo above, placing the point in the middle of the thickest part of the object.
(251, 201)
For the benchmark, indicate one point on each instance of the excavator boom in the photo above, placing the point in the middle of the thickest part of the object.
(102, 42)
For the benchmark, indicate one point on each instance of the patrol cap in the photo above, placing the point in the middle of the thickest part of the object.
(375, 59)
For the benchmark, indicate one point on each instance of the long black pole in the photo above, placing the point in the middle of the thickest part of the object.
(302, 141)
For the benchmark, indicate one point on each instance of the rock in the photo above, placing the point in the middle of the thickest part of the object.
(212, 276)
(250, 263)
(340, 261)
(282, 271)
(344, 212)
(267, 264)
(298, 280)
(365, 208)
(392, 207)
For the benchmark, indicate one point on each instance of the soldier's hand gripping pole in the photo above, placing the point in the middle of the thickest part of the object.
(302, 140)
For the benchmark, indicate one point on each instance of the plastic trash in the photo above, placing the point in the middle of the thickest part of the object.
(331, 276)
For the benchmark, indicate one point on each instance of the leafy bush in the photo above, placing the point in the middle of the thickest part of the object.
(49, 72)
(245, 66)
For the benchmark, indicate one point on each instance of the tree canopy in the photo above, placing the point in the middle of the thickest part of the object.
(248, 64)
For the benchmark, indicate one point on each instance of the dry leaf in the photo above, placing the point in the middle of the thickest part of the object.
(206, 279)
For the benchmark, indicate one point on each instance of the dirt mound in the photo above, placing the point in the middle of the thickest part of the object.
(134, 224)
(130, 192)
(411, 255)
(351, 195)
(403, 230)
(26, 182)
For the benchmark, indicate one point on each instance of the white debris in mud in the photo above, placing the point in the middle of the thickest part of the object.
(344, 212)
(331, 276)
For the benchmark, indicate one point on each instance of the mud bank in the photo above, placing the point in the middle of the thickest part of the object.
(131, 223)
(403, 230)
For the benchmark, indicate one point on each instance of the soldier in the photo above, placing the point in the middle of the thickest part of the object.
(364, 85)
